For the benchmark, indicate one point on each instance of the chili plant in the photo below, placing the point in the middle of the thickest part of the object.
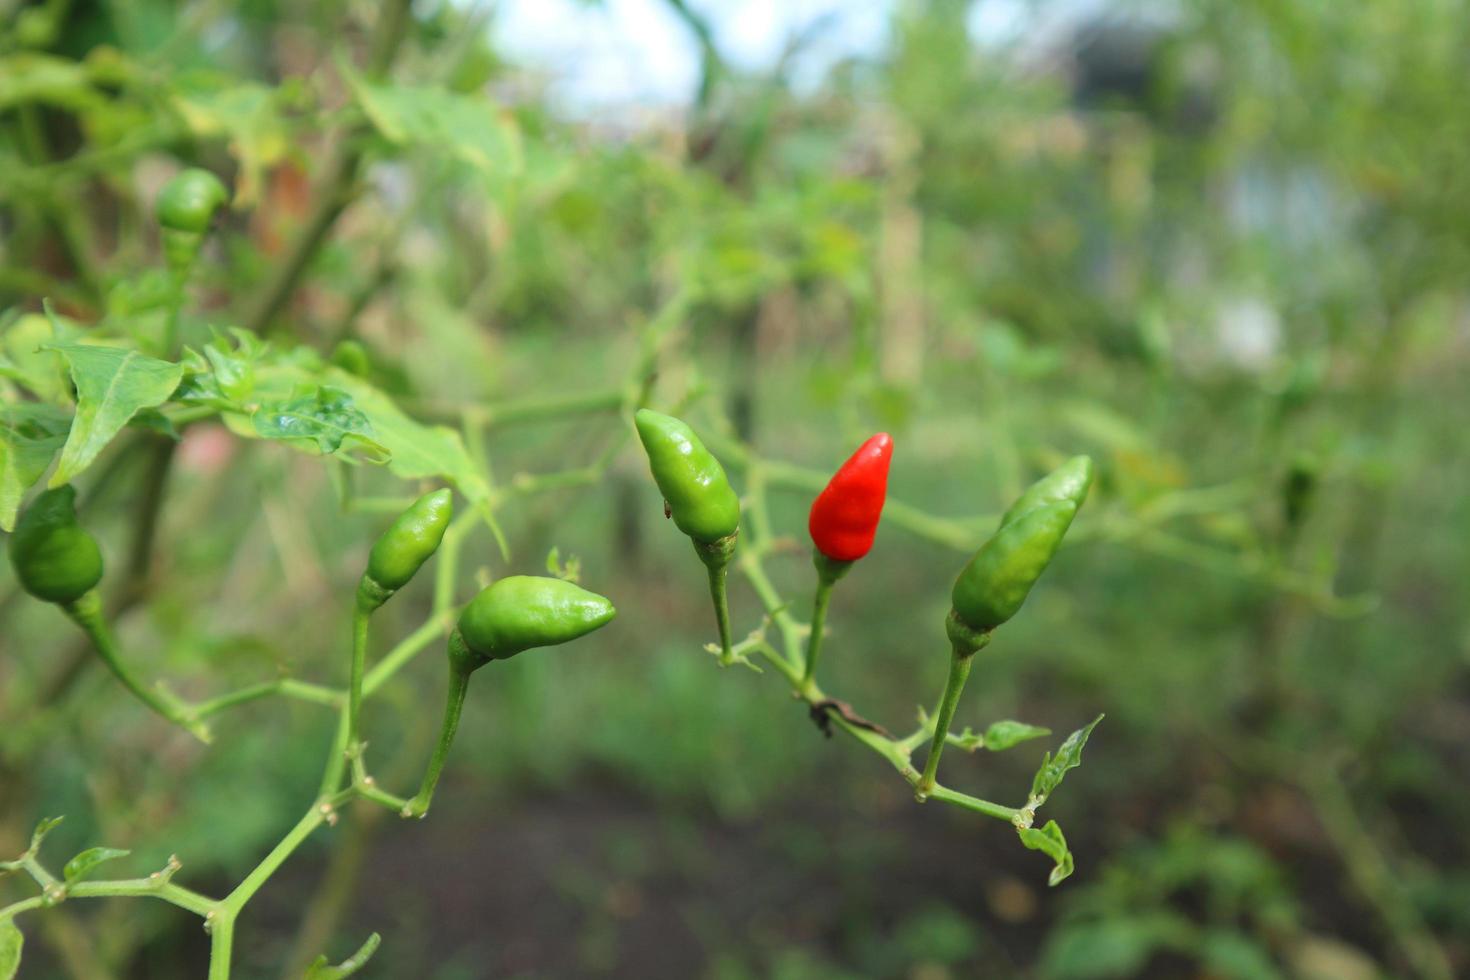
(843, 522)
(74, 390)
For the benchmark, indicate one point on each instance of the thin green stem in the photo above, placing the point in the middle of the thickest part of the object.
(459, 683)
(368, 791)
(968, 802)
(284, 686)
(86, 612)
(25, 905)
(33, 867)
(329, 697)
(235, 900)
(221, 945)
(819, 625)
(755, 574)
(360, 618)
(718, 593)
(184, 898)
(336, 767)
(959, 672)
(236, 698)
(365, 787)
(178, 277)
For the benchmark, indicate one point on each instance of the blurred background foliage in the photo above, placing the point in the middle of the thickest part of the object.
(1220, 245)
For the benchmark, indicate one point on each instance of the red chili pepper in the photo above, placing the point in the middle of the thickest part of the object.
(845, 515)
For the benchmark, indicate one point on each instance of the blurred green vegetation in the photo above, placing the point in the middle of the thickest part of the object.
(1221, 247)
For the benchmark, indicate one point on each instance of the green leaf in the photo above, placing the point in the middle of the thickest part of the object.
(466, 127)
(571, 571)
(419, 452)
(43, 828)
(29, 364)
(112, 386)
(30, 436)
(322, 970)
(1049, 841)
(11, 942)
(234, 370)
(222, 376)
(1053, 768)
(1001, 735)
(321, 420)
(84, 863)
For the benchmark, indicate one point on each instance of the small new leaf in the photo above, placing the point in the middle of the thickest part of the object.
(43, 828)
(571, 571)
(321, 969)
(11, 942)
(1001, 735)
(1049, 841)
(1054, 767)
(86, 862)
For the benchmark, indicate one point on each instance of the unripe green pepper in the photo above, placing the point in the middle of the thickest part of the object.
(525, 611)
(997, 580)
(188, 201)
(184, 209)
(401, 550)
(54, 556)
(1070, 481)
(700, 498)
(511, 616)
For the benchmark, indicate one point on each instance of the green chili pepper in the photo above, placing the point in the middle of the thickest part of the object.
(995, 583)
(402, 549)
(58, 561)
(700, 498)
(184, 209)
(525, 611)
(1070, 481)
(997, 580)
(396, 557)
(513, 615)
(189, 200)
(54, 556)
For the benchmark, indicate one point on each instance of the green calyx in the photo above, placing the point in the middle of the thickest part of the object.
(189, 200)
(997, 580)
(522, 612)
(401, 550)
(962, 637)
(830, 570)
(717, 554)
(700, 498)
(55, 558)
